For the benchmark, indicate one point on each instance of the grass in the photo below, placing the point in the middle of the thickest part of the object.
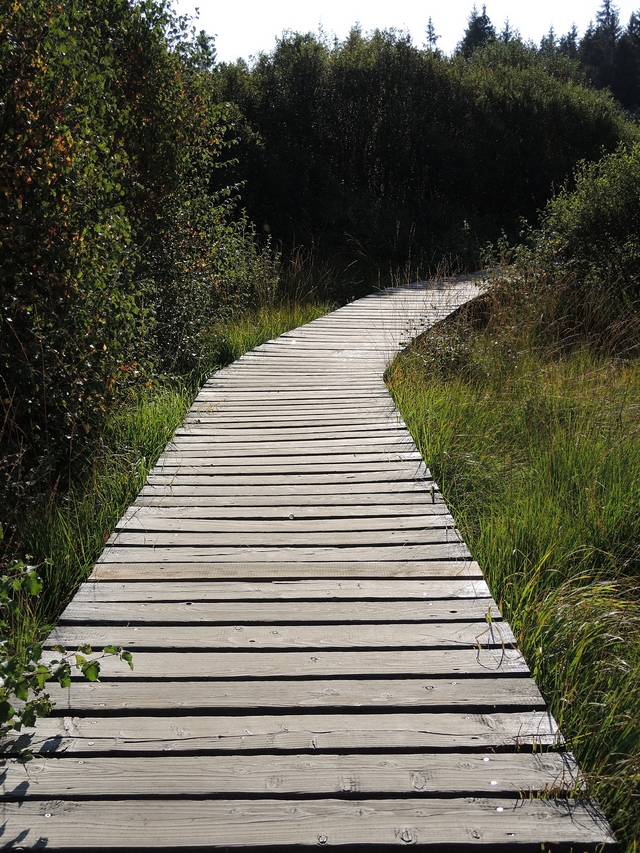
(534, 442)
(64, 534)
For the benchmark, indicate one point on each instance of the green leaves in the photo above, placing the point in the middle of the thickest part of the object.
(90, 669)
(23, 673)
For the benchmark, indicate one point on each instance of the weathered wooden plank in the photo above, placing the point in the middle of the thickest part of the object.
(353, 429)
(268, 500)
(292, 732)
(316, 664)
(287, 539)
(250, 380)
(294, 396)
(302, 554)
(140, 570)
(393, 473)
(408, 490)
(300, 590)
(434, 774)
(507, 824)
(323, 412)
(203, 457)
(378, 442)
(392, 635)
(235, 613)
(186, 465)
(267, 696)
(426, 514)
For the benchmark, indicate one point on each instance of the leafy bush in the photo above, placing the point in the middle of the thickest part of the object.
(594, 228)
(118, 239)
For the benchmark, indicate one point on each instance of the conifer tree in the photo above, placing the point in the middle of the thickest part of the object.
(432, 38)
(480, 31)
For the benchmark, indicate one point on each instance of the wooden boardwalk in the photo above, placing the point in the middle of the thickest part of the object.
(313, 665)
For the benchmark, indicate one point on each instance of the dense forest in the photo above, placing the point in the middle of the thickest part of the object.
(152, 200)
(375, 148)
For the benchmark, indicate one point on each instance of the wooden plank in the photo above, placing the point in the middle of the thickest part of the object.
(203, 455)
(376, 408)
(388, 474)
(287, 539)
(298, 554)
(324, 493)
(302, 437)
(509, 824)
(282, 384)
(291, 732)
(392, 635)
(243, 422)
(188, 464)
(410, 497)
(292, 775)
(319, 443)
(316, 664)
(291, 395)
(426, 514)
(152, 571)
(234, 613)
(347, 429)
(419, 693)
(300, 590)
(404, 494)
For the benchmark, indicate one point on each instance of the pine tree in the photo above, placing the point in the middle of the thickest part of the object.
(628, 65)
(598, 48)
(568, 44)
(507, 34)
(480, 31)
(432, 38)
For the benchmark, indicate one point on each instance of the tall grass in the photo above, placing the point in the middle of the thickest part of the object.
(533, 435)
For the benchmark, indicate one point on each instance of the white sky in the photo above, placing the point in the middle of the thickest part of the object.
(244, 28)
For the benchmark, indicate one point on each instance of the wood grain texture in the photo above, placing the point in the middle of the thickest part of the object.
(148, 569)
(394, 635)
(301, 590)
(316, 664)
(291, 732)
(482, 694)
(347, 613)
(419, 774)
(165, 824)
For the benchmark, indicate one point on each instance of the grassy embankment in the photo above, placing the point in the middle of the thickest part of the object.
(526, 407)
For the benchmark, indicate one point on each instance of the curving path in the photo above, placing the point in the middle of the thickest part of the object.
(313, 663)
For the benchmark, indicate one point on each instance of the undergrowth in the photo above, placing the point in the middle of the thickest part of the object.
(64, 533)
(526, 406)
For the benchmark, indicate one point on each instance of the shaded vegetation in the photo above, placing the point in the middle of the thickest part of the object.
(377, 150)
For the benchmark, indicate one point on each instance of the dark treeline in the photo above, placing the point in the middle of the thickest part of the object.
(608, 54)
(376, 148)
